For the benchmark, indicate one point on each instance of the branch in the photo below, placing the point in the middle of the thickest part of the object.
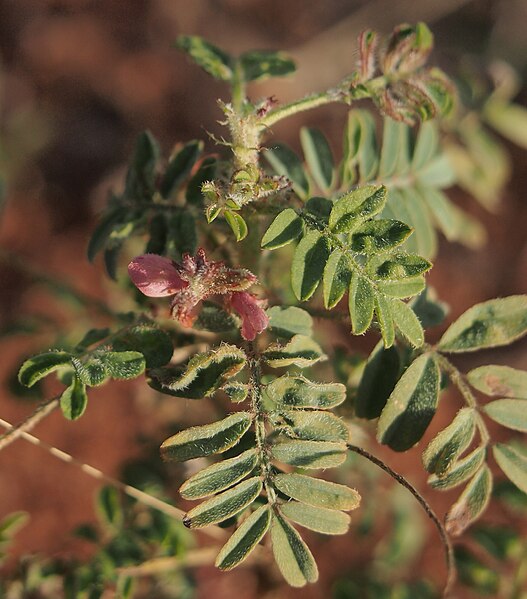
(447, 545)
(29, 423)
(145, 498)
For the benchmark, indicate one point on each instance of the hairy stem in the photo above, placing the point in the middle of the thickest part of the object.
(447, 545)
(19, 430)
(141, 496)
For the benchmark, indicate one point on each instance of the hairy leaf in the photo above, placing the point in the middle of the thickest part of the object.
(318, 157)
(74, 400)
(41, 365)
(153, 343)
(220, 476)
(379, 236)
(511, 413)
(211, 59)
(499, 380)
(286, 163)
(319, 519)
(237, 224)
(361, 303)
(461, 471)
(200, 441)
(449, 444)
(93, 372)
(258, 65)
(337, 278)
(225, 505)
(407, 323)
(315, 425)
(471, 503)
(292, 555)
(489, 324)
(383, 310)
(309, 261)
(513, 463)
(244, 539)
(284, 229)
(310, 454)
(290, 321)
(300, 351)
(411, 406)
(179, 166)
(356, 206)
(317, 492)
(295, 392)
(123, 364)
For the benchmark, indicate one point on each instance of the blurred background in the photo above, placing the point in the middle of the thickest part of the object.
(79, 79)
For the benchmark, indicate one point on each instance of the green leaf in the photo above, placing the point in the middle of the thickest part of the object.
(182, 237)
(284, 229)
(201, 441)
(445, 448)
(513, 463)
(361, 303)
(211, 59)
(402, 288)
(315, 426)
(236, 392)
(74, 400)
(398, 266)
(489, 324)
(318, 209)
(377, 382)
(337, 278)
(411, 406)
(258, 65)
(204, 373)
(237, 224)
(445, 214)
(286, 163)
(367, 152)
(391, 146)
(292, 555)
(412, 210)
(220, 476)
(300, 351)
(310, 454)
(124, 364)
(461, 471)
(509, 119)
(471, 503)
(309, 261)
(318, 156)
(41, 365)
(179, 166)
(426, 145)
(214, 319)
(205, 172)
(289, 321)
(319, 519)
(317, 492)
(244, 539)
(379, 236)
(225, 505)
(429, 309)
(141, 176)
(92, 337)
(510, 413)
(295, 392)
(109, 506)
(407, 323)
(383, 310)
(153, 343)
(356, 206)
(92, 372)
(499, 380)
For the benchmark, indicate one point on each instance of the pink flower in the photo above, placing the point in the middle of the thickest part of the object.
(254, 318)
(195, 280)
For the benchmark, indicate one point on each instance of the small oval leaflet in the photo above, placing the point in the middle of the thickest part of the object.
(317, 492)
(39, 366)
(244, 539)
(319, 519)
(411, 405)
(511, 413)
(407, 323)
(449, 444)
(471, 503)
(310, 454)
(292, 555)
(357, 206)
(318, 157)
(289, 321)
(201, 441)
(74, 400)
(309, 261)
(503, 381)
(298, 392)
(460, 472)
(513, 463)
(361, 303)
(489, 324)
(284, 229)
(300, 351)
(315, 425)
(220, 476)
(223, 506)
(336, 278)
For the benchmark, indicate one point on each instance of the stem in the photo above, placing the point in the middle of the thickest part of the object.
(447, 545)
(255, 382)
(29, 423)
(306, 103)
(141, 496)
(238, 92)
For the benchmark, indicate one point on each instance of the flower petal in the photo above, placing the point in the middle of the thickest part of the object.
(254, 318)
(155, 276)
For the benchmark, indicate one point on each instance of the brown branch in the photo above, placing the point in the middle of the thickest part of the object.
(29, 423)
(447, 545)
